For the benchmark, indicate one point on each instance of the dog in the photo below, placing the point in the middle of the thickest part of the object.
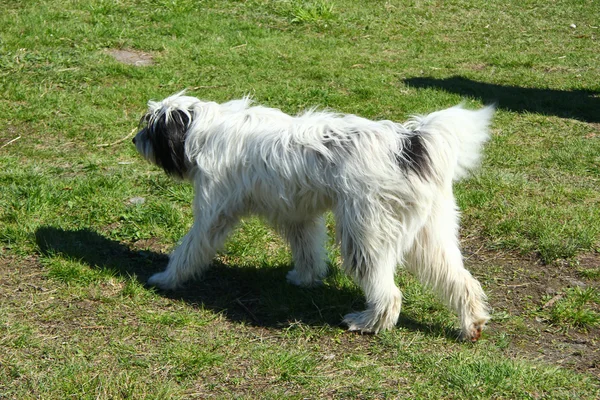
(389, 186)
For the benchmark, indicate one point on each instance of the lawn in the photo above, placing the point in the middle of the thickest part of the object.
(84, 221)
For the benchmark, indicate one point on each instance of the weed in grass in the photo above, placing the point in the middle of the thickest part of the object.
(578, 308)
(317, 12)
(593, 273)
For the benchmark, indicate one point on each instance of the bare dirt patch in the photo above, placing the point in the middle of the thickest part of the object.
(131, 57)
(525, 288)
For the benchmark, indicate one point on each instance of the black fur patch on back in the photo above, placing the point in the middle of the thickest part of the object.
(414, 156)
(168, 142)
(333, 140)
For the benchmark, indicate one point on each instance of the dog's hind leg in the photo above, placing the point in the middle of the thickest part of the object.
(370, 258)
(307, 241)
(196, 251)
(435, 258)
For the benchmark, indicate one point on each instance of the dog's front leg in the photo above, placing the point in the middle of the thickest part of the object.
(307, 241)
(195, 253)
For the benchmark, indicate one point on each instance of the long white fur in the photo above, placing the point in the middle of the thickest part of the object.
(291, 169)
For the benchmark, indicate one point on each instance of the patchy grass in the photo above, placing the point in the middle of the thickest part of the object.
(312, 13)
(575, 308)
(84, 222)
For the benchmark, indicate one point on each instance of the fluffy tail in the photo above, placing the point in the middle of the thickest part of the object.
(464, 131)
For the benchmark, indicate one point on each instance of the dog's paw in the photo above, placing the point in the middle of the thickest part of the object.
(473, 333)
(367, 322)
(357, 322)
(295, 278)
(376, 318)
(162, 280)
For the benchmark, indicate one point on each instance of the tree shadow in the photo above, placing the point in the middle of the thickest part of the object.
(583, 105)
(258, 296)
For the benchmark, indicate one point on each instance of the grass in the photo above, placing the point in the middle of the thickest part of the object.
(84, 221)
(312, 13)
(575, 308)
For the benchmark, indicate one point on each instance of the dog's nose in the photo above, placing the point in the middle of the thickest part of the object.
(133, 140)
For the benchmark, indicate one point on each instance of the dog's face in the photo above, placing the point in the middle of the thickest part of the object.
(161, 139)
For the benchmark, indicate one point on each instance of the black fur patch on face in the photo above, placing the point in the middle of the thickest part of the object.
(168, 142)
(414, 156)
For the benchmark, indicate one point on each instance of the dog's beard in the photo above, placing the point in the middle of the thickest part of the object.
(144, 146)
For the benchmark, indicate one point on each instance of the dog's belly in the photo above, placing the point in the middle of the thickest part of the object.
(292, 206)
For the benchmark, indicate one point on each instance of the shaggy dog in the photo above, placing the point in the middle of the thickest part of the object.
(389, 186)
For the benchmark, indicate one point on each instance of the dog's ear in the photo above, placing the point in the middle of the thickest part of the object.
(167, 133)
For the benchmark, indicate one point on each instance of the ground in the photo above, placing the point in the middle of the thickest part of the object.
(519, 288)
(523, 287)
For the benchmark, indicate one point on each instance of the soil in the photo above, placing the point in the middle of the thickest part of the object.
(526, 288)
(131, 57)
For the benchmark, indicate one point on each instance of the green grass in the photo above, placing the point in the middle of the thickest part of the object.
(76, 247)
(575, 308)
(312, 13)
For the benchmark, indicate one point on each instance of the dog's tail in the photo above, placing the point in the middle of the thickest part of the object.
(462, 131)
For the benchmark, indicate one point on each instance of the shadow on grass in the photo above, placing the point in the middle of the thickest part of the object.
(259, 295)
(582, 105)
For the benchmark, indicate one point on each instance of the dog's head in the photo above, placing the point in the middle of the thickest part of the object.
(164, 128)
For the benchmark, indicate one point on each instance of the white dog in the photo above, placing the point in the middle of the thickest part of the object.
(389, 186)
